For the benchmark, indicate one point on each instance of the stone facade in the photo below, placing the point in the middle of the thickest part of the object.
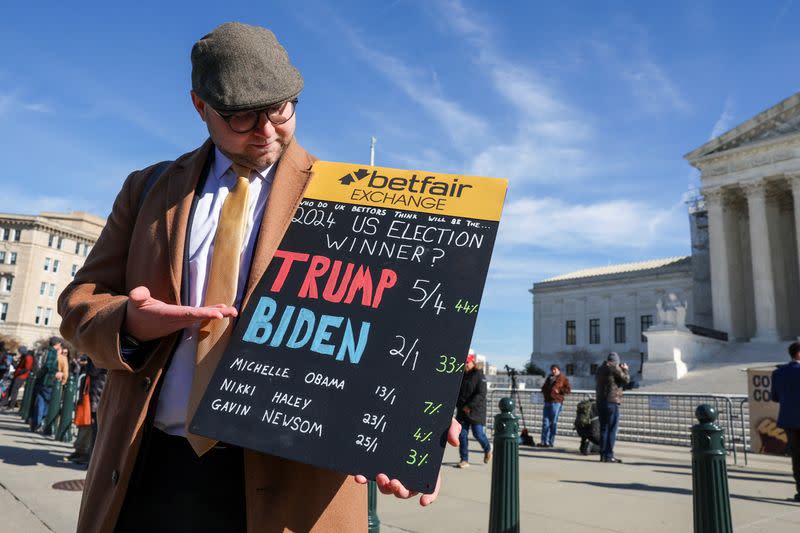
(579, 317)
(39, 255)
(750, 179)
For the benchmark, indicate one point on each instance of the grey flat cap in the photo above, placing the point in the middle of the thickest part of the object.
(238, 67)
(613, 357)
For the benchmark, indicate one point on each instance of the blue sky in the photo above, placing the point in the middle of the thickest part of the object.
(586, 107)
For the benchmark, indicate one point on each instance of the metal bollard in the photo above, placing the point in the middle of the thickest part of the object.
(373, 521)
(504, 504)
(27, 397)
(53, 409)
(63, 433)
(710, 497)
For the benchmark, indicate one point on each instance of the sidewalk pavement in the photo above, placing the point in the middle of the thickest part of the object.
(560, 491)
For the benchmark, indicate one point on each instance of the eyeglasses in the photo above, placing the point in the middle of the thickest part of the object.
(247, 121)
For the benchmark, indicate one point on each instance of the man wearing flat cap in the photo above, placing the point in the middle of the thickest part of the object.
(155, 303)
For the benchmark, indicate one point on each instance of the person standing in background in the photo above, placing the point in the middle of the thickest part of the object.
(611, 377)
(23, 370)
(471, 411)
(786, 391)
(555, 387)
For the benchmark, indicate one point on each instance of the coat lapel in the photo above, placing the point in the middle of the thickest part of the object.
(180, 192)
(291, 177)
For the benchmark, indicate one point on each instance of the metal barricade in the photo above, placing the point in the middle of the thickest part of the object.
(647, 417)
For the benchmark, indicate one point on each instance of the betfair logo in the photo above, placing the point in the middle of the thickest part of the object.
(427, 185)
(360, 174)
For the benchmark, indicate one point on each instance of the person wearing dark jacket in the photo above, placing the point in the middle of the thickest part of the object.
(611, 377)
(471, 411)
(555, 387)
(21, 374)
(92, 381)
(786, 391)
(45, 381)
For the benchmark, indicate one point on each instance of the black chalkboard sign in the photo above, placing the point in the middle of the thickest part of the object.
(350, 352)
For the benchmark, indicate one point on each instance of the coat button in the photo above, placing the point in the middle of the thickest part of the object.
(146, 383)
(114, 477)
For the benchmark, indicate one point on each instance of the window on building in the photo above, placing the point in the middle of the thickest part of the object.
(2, 257)
(5, 283)
(77, 248)
(570, 332)
(37, 320)
(593, 368)
(42, 288)
(6, 232)
(46, 264)
(56, 264)
(86, 250)
(48, 315)
(50, 240)
(60, 242)
(74, 270)
(17, 235)
(12, 260)
(52, 289)
(594, 331)
(3, 312)
(570, 369)
(647, 321)
(619, 329)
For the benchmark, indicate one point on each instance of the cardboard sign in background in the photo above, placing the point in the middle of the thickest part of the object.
(350, 352)
(765, 435)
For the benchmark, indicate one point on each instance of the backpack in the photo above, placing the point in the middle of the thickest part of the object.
(583, 414)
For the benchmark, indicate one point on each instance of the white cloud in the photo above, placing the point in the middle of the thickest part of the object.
(462, 126)
(547, 142)
(10, 101)
(725, 120)
(653, 88)
(551, 223)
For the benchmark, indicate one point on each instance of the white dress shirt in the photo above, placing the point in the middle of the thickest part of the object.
(174, 397)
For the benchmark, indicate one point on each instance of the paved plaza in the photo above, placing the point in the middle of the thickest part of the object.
(561, 491)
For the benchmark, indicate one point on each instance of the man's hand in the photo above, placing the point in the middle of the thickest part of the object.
(59, 375)
(147, 318)
(393, 486)
(467, 410)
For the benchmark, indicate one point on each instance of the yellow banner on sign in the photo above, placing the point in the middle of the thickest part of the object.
(410, 190)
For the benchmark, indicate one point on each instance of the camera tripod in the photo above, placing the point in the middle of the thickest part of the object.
(525, 437)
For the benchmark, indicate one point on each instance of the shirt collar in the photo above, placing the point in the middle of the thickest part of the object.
(222, 164)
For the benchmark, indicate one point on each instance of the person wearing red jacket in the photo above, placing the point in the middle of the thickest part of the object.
(20, 376)
(555, 387)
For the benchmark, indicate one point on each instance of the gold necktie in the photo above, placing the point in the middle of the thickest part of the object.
(223, 278)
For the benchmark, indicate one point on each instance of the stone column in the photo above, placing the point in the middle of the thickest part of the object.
(718, 249)
(761, 256)
(794, 182)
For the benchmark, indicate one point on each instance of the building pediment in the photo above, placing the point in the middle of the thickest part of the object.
(779, 121)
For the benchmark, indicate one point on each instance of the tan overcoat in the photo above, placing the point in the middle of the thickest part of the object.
(148, 250)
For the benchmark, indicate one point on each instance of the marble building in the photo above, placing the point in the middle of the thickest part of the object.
(741, 281)
(750, 179)
(581, 316)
